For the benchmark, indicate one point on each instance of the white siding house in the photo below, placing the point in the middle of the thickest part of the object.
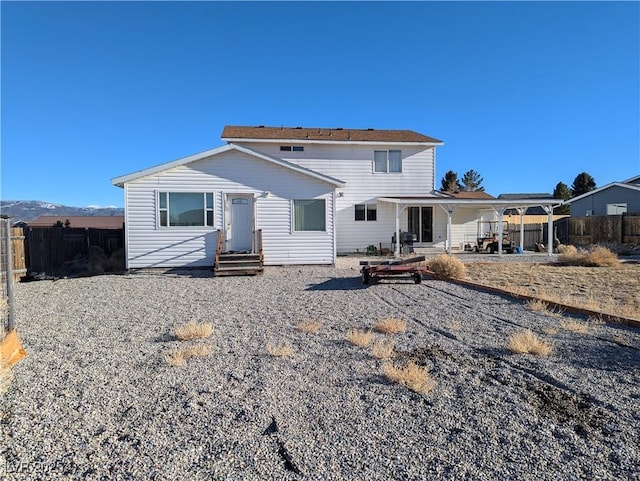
(246, 191)
(312, 193)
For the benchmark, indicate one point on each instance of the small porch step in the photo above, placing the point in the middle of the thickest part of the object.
(230, 264)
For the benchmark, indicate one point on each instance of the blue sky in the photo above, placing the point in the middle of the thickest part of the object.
(526, 93)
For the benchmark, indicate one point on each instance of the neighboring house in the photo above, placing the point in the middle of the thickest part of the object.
(311, 193)
(81, 221)
(611, 199)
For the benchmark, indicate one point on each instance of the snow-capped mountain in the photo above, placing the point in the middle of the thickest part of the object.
(26, 210)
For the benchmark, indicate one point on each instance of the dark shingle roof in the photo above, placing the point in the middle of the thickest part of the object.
(525, 196)
(330, 135)
(471, 194)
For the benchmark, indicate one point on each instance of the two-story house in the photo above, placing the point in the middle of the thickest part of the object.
(309, 193)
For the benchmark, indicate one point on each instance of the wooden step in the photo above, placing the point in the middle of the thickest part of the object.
(230, 264)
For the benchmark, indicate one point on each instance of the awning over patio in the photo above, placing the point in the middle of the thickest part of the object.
(450, 204)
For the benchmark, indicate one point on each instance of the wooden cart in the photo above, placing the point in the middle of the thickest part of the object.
(374, 270)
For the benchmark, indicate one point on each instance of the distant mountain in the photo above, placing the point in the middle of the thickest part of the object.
(26, 210)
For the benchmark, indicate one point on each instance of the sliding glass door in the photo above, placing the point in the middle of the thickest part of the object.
(420, 222)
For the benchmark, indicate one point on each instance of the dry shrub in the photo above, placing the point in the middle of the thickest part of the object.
(411, 376)
(575, 326)
(194, 330)
(597, 257)
(537, 305)
(455, 326)
(567, 249)
(179, 357)
(280, 350)
(527, 342)
(552, 331)
(310, 326)
(382, 349)
(390, 326)
(175, 358)
(445, 265)
(359, 337)
(6, 376)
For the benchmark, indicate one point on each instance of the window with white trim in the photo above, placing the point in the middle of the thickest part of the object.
(366, 212)
(309, 215)
(616, 209)
(185, 209)
(385, 161)
(294, 148)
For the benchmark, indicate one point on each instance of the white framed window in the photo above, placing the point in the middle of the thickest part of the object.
(616, 209)
(385, 161)
(185, 209)
(294, 148)
(309, 215)
(366, 212)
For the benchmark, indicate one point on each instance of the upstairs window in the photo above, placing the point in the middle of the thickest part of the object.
(366, 212)
(385, 161)
(185, 209)
(289, 148)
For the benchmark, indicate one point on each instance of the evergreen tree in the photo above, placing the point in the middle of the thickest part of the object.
(450, 182)
(472, 181)
(562, 192)
(582, 184)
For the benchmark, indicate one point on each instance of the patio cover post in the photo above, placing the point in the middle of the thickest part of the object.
(549, 210)
(521, 211)
(397, 246)
(500, 212)
(449, 210)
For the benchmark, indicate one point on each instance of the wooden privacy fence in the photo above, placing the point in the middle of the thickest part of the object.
(602, 229)
(532, 234)
(19, 266)
(48, 249)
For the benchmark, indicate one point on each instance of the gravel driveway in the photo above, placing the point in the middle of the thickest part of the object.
(95, 398)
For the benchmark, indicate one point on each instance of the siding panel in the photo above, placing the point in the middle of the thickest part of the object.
(227, 173)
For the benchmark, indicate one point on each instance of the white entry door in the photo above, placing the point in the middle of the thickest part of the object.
(240, 223)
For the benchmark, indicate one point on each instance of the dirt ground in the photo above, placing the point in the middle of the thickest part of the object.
(613, 289)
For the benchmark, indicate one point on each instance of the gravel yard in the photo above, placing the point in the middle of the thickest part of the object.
(95, 398)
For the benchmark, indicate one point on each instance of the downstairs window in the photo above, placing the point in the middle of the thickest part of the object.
(185, 209)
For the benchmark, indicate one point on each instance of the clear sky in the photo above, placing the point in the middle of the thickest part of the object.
(526, 93)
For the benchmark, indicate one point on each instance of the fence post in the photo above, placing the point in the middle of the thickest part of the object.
(9, 274)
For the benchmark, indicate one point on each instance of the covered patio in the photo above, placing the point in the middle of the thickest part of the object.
(498, 206)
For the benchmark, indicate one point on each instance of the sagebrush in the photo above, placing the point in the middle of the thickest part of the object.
(359, 337)
(390, 325)
(526, 342)
(179, 357)
(445, 265)
(598, 256)
(412, 376)
(382, 349)
(194, 330)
